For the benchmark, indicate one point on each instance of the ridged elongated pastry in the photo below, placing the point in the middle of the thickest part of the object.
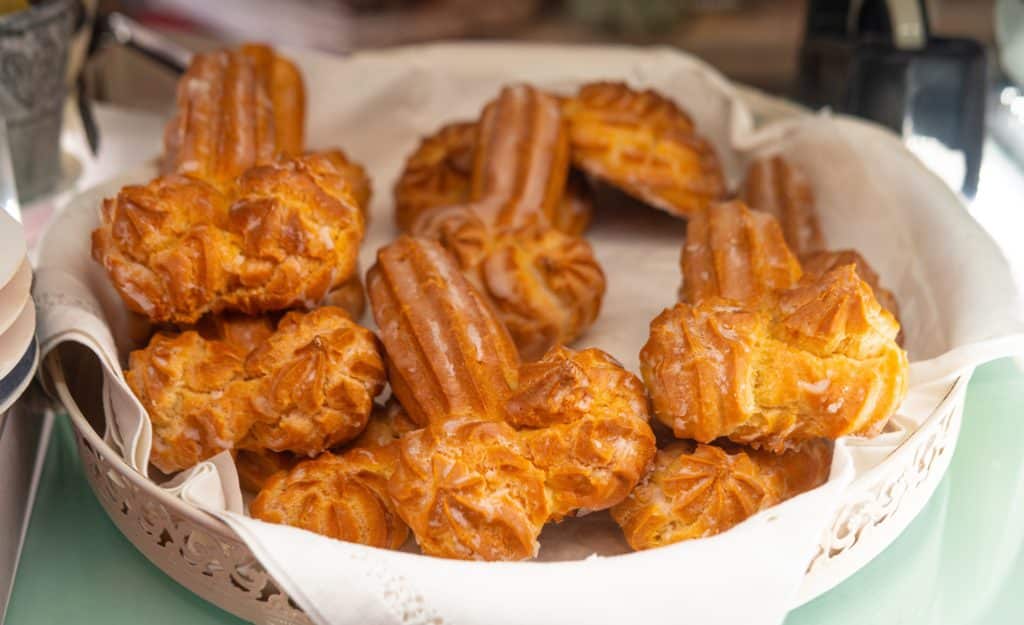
(735, 253)
(545, 285)
(696, 490)
(343, 494)
(440, 366)
(440, 173)
(644, 144)
(304, 387)
(775, 187)
(235, 109)
(177, 248)
(818, 360)
(503, 449)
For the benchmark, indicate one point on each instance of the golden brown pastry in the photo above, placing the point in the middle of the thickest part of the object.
(819, 263)
(773, 186)
(582, 419)
(503, 449)
(440, 173)
(643, 143)
(437, 174)
(177, 248)
(735, 253)
(695, 490)
(316, 378)
(776, 187)
(196, 395)
(235, 109)
(545, 285)
(819, 360)
(343, 496)
(431, 320)
(305, 387)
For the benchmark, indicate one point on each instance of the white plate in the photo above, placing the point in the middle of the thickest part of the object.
(17, 338)
(13, 385)
(12, 247)
(14, 294)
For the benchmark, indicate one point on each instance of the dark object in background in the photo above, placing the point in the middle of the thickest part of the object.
(876, 59)
(33, 66)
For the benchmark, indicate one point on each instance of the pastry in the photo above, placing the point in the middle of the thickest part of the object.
(316, 378)
(773, 186)
(436, 174)
(644, 144)
(778, 188)
(582, 419)
(177, 248)
(503, 448)
(416, 291)
(545, 285)
(235, 109)
(696, 490)
(440, 173)
(818, 360)
(735, 253)
(343, 496)
(819, 263)
(303, 387)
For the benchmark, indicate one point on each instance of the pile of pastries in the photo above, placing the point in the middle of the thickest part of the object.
(466, 422)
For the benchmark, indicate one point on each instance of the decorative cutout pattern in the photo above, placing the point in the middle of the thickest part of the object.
(222, 570)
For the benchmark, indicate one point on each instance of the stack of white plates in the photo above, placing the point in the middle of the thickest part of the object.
(19, 352)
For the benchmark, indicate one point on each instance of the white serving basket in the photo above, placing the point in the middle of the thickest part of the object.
(203, 554)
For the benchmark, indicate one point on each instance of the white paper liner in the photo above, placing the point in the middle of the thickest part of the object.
(958, 303)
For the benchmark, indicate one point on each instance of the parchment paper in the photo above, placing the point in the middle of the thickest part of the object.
(958, 302)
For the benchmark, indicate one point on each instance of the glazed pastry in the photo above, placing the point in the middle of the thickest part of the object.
(343, 496)
(316, 378)
(235, 109)
(440, 173)
(305, 387)
(822, 262)
(696, 490)
(437, 174)
(735, 253)
(177, 248)
(819, 360)
(644, 144)
(503, 449)
(413, 288)
(773, 186)
(546, 286)
(582, 420)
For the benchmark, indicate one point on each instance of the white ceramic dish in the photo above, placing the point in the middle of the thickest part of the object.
(16, 340)
(14, 294)
(12, 247)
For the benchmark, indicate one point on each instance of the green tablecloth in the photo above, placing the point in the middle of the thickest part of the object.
(960, 562)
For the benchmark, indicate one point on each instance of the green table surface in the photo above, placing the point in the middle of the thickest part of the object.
(960, 562)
